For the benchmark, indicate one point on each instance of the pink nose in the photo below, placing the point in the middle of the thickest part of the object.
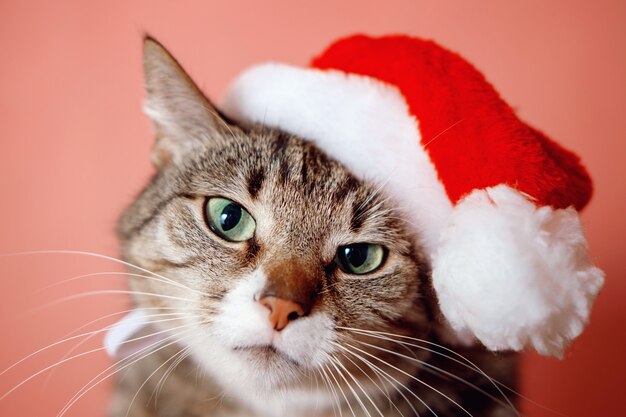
(281, 311)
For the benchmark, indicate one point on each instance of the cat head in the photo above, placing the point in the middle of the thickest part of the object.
(267, 253)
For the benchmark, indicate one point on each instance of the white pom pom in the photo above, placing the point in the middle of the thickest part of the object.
(515, 275)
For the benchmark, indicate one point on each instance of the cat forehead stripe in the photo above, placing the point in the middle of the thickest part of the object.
(255, 181)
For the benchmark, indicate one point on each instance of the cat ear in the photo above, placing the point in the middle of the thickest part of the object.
(184, 119)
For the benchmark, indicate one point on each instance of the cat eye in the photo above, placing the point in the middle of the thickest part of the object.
(360, 258)
(229, 220)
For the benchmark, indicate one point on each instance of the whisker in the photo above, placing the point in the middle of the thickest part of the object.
(424, 383)
(221, 121)
(330, 389)
(117, 313)
(111, 292)
(186, 352)
(334, 361)
(129, 360)
(79, 344)
(138, 357)
(126, 274)
(343, 394)
(391, 380)
(415, 379)
(361, 386)
(106, 292)
(527, 399)
(373, 195)
(441, 133)
(317, 387)
(384, 392)
(75, 357)
(68, 339)
(91, 254)
(434, 368)
(150, 376)
(337, 403)
(471, 365)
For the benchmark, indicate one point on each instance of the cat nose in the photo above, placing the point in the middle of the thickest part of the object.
(281, 311)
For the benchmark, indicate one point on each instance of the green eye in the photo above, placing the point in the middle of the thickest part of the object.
(360, 258)
(229, 220)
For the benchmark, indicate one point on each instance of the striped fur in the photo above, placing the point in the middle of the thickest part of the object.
(305, 206)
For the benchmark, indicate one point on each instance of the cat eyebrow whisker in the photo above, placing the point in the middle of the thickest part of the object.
(430, 141)
(390, 379)
(220, 120)
(377, 190)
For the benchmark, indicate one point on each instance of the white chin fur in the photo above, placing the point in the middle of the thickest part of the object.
(515, 275)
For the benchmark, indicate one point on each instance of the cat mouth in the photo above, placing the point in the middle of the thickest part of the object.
(265, 353)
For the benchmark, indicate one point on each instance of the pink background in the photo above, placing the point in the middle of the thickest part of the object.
(74, 150)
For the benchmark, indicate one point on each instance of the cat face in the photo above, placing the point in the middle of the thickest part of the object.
(268, 250)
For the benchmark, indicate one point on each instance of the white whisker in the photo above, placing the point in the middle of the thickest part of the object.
(112, 292)
(441, 133)
(337, 402)
(136, 358)
(125, 274)
(186, 352)
(384, 392)
(393, 381)
(334, 363)
(132, 401)
(415, 379)
(68, 339)
(343, 394)
(434, 369)
(6, 394)
(79, 344)
(356, 381)
(471, 365)
(95, 255)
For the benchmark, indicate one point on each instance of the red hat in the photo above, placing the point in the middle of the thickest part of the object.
(492, 201)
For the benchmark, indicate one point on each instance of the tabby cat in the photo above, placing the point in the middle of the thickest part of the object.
(284, 285)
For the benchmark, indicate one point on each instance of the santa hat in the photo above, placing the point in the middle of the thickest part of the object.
(491, 200)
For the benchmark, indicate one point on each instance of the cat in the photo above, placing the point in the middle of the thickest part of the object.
(285, 286)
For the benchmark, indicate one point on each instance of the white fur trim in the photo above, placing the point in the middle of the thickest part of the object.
(359, 121)
(513, 274)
